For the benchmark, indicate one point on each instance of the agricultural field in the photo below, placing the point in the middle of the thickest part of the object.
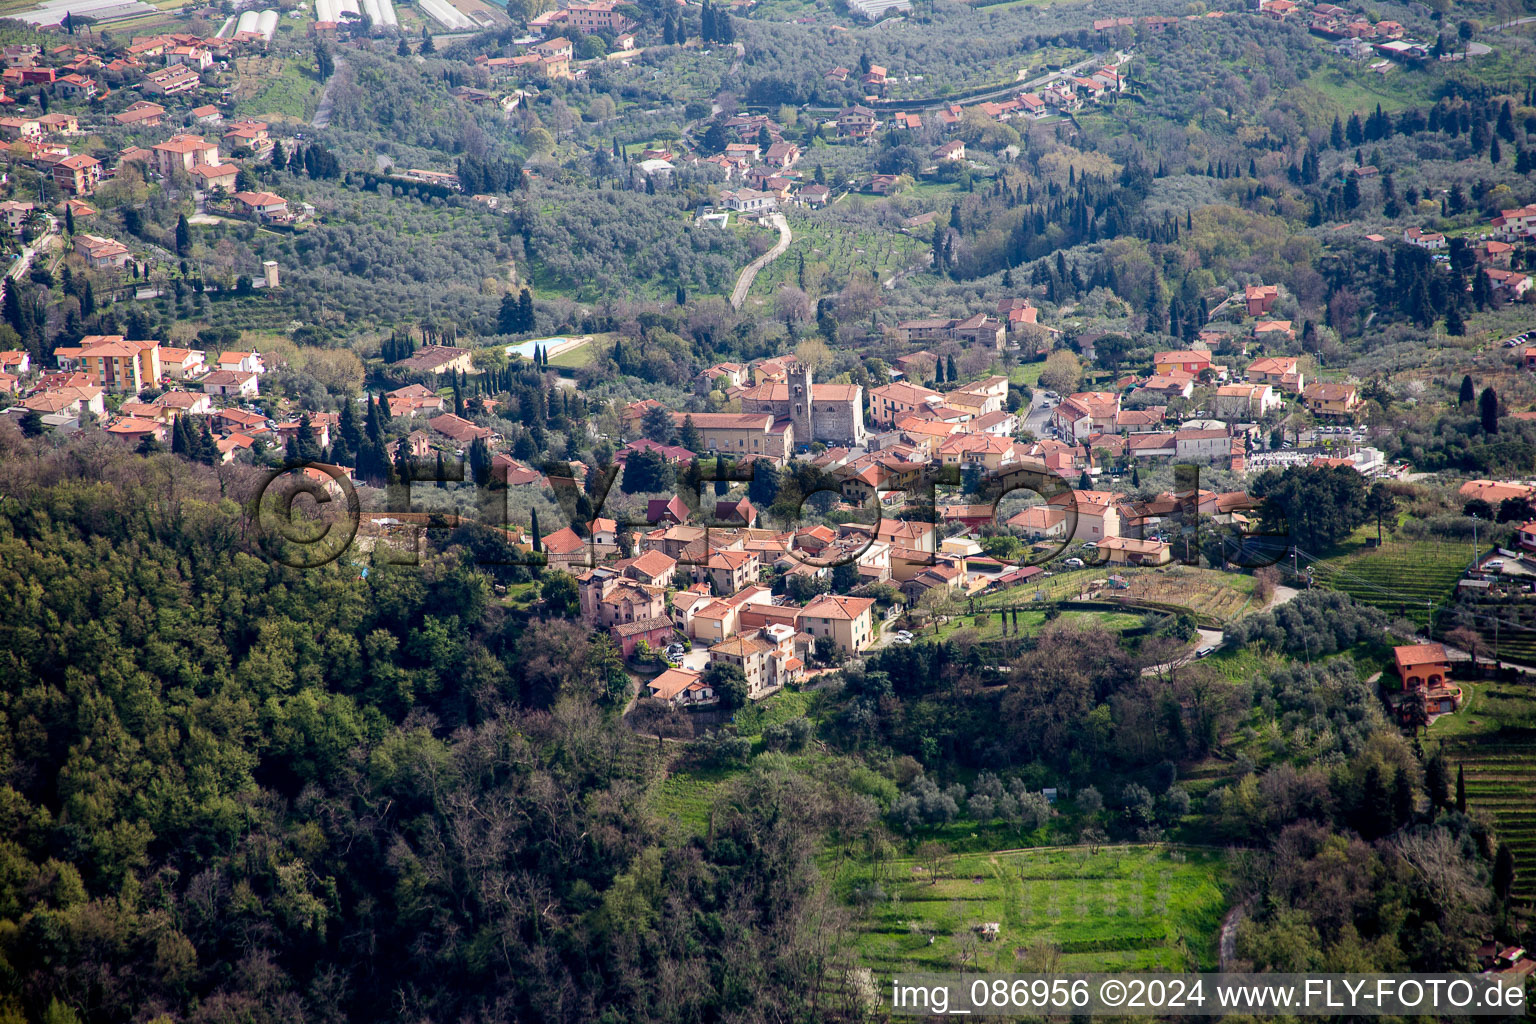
(1405, 579)
(1209, 595)
(276, 89)
(1122, 908)
(1493, 739)
(827, 246)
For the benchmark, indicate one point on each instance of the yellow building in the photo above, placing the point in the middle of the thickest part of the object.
(118, 365)
(1331, 399)
(848, 621)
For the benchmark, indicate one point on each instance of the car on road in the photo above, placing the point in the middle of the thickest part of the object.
(1205, 652)
(1074, 563)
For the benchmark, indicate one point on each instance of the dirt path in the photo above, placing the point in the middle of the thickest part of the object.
(322, 116)
(749, 272)
(1229, 924)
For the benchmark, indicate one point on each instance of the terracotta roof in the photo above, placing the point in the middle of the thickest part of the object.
(1419, 654)
(835, 606)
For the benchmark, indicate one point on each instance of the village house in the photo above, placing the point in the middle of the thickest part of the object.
(439, 359)
(231, 383)
(263, 206)
(847, 621)
(891, 402)
(1425, 670)
(1192, 363)
(1259, 298)
(1085, 413)
(171, 81)
(1246, 403)
(184, 152)
(101, 253)
(1283, 372)
(77, 175)
(1131, 551)
(1330, 399)
(681, 686)
(857, 122)
(142, 114)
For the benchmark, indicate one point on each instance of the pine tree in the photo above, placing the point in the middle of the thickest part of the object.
(207, 448)
(427, 45)
(404, 49)
(689, 436)
(307, 442)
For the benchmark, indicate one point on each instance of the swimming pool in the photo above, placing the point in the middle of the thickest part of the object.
(552, 346)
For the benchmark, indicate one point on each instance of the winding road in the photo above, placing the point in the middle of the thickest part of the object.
(749, 272)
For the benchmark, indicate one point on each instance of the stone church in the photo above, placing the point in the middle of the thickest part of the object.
(830, 413)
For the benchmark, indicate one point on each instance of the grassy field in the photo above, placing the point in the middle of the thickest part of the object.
(1493, 740)
(574, 359)
(1400, 578)
(987, 627)
(1124, 908)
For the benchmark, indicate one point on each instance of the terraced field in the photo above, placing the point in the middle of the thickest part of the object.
(1123, 908)
(1501, 778)
(1401, 579)
(1213, 597)
(1508, 629)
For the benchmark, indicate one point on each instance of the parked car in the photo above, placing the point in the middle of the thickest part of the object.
(1074, 563)
(1205, 652)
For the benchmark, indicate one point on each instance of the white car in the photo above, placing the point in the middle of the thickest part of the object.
(904, 633)
(1074, 563)
(901, 640)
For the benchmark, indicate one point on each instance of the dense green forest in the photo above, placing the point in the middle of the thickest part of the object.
(237, 792)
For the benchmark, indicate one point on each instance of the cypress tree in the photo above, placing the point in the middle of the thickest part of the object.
(1503, 873)
(1461, 790)
(538, 544)
(1467, 391)
(1488, 410)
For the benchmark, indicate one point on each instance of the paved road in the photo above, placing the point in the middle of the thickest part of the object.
(1038, 419)
(29, 252)
(749, 272)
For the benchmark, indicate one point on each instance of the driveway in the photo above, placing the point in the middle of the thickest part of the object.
(749, 273)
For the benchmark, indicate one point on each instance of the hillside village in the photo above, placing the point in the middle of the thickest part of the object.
(677, 512)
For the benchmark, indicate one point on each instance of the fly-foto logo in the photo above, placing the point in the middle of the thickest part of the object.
(1190, 522)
